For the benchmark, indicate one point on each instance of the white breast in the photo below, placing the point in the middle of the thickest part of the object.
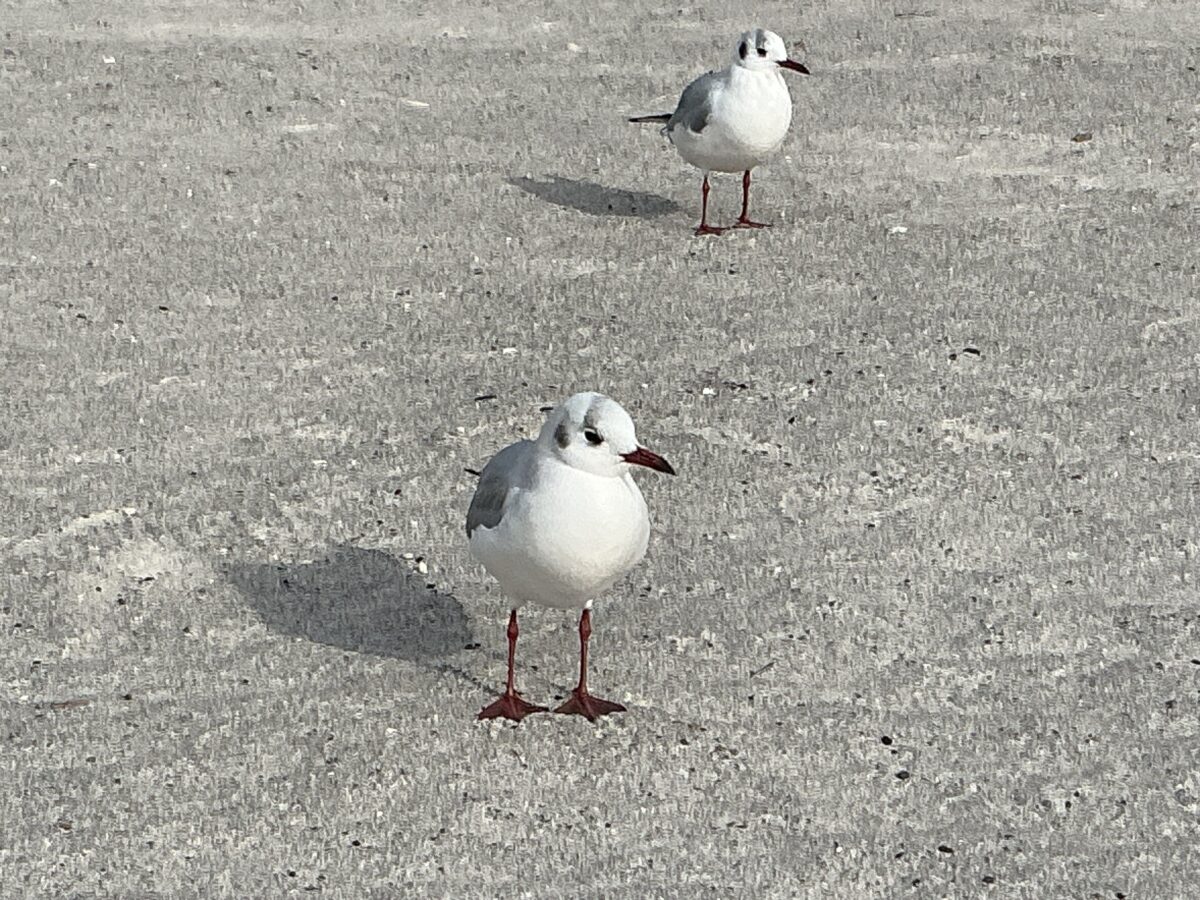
(567, 542)
(751, 114)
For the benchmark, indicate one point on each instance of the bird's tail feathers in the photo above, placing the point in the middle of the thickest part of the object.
(657, 117)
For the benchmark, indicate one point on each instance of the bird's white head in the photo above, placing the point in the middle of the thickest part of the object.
(594, 433)
(760, 50)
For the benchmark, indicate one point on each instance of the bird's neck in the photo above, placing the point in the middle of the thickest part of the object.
(758, 81)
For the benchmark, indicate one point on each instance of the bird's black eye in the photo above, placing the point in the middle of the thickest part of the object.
(762, 51)
(593, 437)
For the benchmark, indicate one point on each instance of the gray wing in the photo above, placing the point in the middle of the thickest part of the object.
(695, 104)
(496, 482)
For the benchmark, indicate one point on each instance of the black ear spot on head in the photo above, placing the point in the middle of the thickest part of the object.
(562, 434)
(742, 50)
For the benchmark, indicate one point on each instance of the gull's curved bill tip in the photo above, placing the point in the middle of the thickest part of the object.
(643, 457)
(795, 66)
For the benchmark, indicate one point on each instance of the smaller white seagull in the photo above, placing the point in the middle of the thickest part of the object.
(732, 120)
(558, 521)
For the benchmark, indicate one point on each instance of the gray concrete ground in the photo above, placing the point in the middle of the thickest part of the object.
(919, 616)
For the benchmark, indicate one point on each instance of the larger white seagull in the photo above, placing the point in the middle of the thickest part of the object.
(733, 120)
(558, 521)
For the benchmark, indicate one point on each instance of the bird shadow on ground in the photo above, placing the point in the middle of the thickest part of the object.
(357, 599)
(595, 199)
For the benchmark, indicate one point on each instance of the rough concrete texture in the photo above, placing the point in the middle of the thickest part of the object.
(919, 616)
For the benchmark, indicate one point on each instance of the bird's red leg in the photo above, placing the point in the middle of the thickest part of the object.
(582, 703)
(744, 220)
(704, 227)
(510, 705)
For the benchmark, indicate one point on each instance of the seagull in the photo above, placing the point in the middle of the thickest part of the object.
(732, 120)
(558, 521)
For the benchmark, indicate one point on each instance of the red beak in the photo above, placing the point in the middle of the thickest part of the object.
(648, 458)
(795, 66)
